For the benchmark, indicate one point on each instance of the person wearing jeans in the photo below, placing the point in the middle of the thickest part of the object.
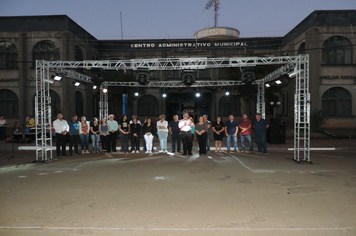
(260, 126)
(162, 131)
(175, 133)
(231, 129)
(208, 132)
(95, 135)
(245, 132)
(84, 135)
(73, 135)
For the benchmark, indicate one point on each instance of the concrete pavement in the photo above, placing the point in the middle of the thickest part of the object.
(160, 194)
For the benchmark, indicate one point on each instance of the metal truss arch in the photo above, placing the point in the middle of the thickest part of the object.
(302, 96)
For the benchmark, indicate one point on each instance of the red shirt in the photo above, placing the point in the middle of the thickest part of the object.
(245, 124)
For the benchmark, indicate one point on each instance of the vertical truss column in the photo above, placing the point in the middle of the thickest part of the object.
(302, 110)
(103, 103)
(260, 106)
(43, 113)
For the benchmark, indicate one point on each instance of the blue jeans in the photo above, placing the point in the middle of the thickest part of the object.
(261, 142)
(176, 138)
(84, 142)
(95, 142)
(248, 137)
(228, 142)
(162, 136)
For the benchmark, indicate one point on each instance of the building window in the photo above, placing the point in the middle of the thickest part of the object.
(336, 102)
(9, 103)
(8, 55)
(79, 103)
(148, 105)
(45, 50)
(337, 50)
(78, 53)
(229, 105)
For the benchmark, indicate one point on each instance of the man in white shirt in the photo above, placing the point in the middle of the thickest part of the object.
(185, 126)
(61, 128)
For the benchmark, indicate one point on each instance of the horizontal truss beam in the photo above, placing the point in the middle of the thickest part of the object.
(72, 74)
(173, 63)
(174, 84)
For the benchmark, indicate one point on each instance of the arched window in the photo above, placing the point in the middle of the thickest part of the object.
(9, 103)
(8, 55)
(337, 50)
(79, 103)
(45, 50)
(336, 102)
(148, 106)
(301, 49)
(78, 53)
(229, 105)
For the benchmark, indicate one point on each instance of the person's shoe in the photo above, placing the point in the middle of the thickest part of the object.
(160, 151)
(149, 151)
(137, 151)
(247, 151)
(242, 151)
(184, 153)
(228, 151)
(190, 154)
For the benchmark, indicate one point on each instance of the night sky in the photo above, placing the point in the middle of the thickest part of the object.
(169, 19)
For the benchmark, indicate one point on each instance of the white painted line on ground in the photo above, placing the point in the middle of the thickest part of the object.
(241, 162)
(178, 229)
(315, 149)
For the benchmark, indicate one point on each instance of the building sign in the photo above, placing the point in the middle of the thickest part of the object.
(217, 32)
(182, 45)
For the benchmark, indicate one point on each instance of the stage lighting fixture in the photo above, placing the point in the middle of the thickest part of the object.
(143, 77)
(292, 74)
(95, 87)
(137, 93)
(267, 85)
(164, 93)
(76, 83)
(188, 77)
(197, 93)
(227, 91)
(56, 77)
(248, 77)
(105, 90)
(278, 82)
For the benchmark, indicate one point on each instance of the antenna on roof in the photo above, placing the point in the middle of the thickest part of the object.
(216, 3)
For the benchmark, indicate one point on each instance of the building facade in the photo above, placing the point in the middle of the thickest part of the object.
(327, 36)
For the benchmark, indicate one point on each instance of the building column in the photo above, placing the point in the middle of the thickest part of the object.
(22, 73)
(312, 41)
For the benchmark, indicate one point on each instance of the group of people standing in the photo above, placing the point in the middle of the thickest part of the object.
(181, 131)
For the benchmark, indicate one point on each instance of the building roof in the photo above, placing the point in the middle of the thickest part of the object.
(321, 18)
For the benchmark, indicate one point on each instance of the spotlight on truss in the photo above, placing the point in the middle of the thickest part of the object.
(188, 77)
(143, 77)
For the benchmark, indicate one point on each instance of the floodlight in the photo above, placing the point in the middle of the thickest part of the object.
(227, 91)
(278, 82)
(197, 93)
(105, 90)
(164, 93)
(76, 83)
(95, 87)
(267, 85)
(56, 77)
